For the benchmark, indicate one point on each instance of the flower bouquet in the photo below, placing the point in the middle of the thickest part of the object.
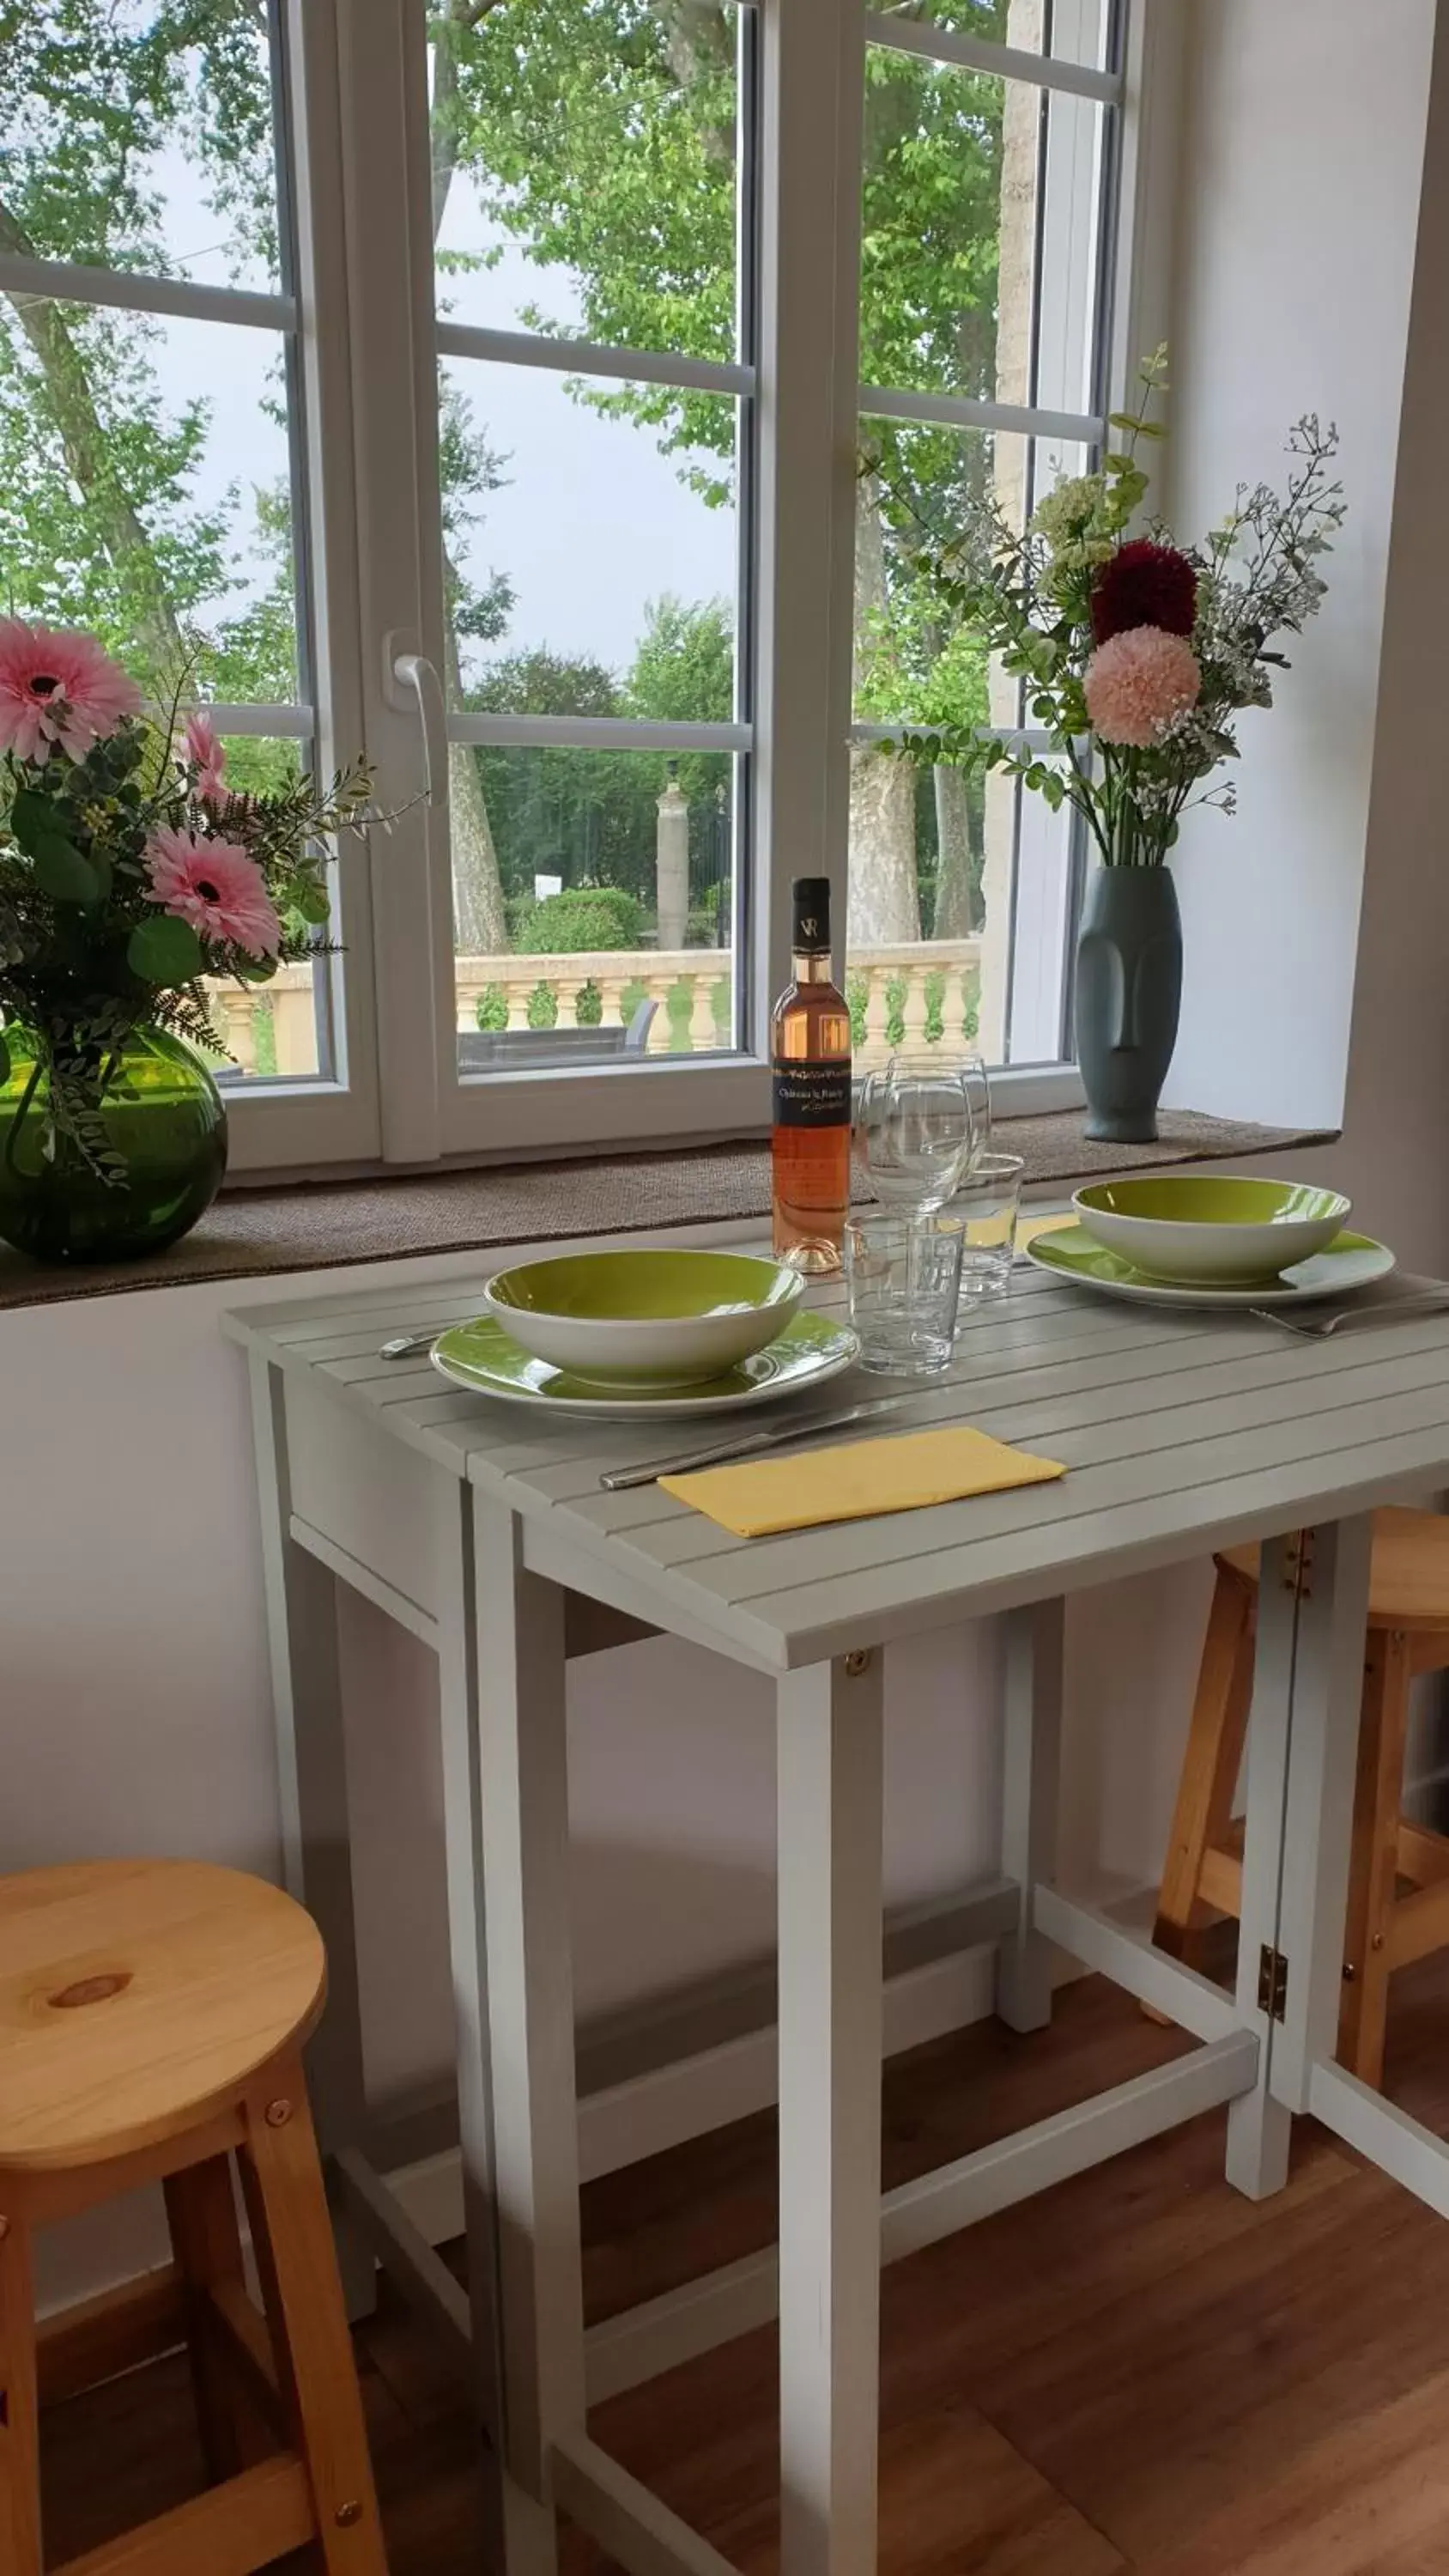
(1135, 657)
(130, 872)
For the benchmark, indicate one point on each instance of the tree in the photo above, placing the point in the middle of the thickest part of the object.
(589, 816)
(97, 519)
(99, 525)
(602, 139)
(600, 134)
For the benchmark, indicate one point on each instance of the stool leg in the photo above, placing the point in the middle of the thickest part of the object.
(292, 2234)
(1373, 1866)
(19, 2410)
(206, 2242)
(1210, 1764)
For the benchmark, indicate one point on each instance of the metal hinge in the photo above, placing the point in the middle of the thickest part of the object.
(1272, 1982)
(1298, 1565)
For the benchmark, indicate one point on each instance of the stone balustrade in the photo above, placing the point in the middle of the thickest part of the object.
(683, 982)
(912, 996)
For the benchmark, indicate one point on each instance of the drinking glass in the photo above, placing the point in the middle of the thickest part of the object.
(903, 1274)
(985, 1208)
(916, 1132)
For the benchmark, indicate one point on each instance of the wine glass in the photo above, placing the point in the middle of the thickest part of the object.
(917, 1131)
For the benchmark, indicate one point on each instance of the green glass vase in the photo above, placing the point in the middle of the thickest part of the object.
(164, 1120)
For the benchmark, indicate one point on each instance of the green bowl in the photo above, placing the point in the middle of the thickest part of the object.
(1208, 1229)
(650, 1318)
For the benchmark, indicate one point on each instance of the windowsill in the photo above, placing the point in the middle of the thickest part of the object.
(339, 1224)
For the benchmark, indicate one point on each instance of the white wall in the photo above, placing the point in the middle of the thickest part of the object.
(1300, 181)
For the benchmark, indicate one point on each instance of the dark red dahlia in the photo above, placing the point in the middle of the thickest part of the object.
(1144, 585)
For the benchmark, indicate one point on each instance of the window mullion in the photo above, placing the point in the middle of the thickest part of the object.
(395, 465)
(812, 113)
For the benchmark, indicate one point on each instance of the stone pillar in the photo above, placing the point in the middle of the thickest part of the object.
(671, 863)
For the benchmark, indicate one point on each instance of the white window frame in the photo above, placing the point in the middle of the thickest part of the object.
(329, 1119)
(369, 344)
(808, 401)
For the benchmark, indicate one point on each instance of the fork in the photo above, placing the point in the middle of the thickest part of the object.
(1321, 1328)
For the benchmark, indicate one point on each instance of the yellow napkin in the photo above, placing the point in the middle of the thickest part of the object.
(1029, 1227)
(763, 1495)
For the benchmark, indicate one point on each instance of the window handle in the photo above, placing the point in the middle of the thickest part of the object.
(414, 671)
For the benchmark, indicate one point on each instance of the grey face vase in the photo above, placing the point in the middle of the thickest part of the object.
(1129, 990)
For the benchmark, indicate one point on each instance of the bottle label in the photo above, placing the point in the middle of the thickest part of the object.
(811, 1095)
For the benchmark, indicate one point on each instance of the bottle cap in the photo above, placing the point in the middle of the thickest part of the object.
(811, 897)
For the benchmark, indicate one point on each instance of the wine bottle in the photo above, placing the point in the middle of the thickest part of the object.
(810, 1061)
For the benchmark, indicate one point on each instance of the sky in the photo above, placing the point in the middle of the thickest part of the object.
(591, 521)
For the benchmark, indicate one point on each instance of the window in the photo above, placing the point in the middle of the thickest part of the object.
(527, 394)
(985, 203)
(154, 417)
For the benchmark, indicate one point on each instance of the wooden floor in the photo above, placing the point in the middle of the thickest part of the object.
(1137, 2371)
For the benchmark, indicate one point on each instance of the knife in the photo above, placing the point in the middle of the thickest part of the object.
(620, 1479)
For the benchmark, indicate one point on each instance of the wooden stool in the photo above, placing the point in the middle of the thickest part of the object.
(1408, 1634)
(152, 2015)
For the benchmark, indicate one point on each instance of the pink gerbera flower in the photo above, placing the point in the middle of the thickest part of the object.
(205, 755)
(217, 887)
(58, 686)
(1136, 683)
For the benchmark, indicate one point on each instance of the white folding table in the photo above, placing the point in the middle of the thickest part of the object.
(488, 1536)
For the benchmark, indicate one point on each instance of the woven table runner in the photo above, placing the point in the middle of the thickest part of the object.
(330, 1225)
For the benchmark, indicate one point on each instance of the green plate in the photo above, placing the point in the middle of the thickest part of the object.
(487, 1360)
(1351, 1261)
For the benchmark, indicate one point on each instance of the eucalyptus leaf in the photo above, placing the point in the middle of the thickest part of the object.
(164, 950)
(311, 902)
(63, 874)
(34, 820)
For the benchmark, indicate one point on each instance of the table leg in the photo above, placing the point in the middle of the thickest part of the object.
(1031, 1763)
(1318, 1832)
(311, 1742)
(522, 1799)
(463, 1865)
(1259, 2129)
(830, 1806)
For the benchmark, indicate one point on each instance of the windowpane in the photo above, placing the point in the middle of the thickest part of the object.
(921, 489)
(993, 869)
(1075, 31)
(591, 546)
(126, 146)
(981, 208)
(281, 1028)
(584, 170)
(933, 850)
(145, 492)
(615, 875)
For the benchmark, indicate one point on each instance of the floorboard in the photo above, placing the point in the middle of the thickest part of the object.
(1137, 2372)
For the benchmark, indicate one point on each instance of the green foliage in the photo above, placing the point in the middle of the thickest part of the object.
(590, 816)
(162, 950)
(683, 667)
(491, 1009)
(580, 919)
(600, 134)
(1027, 594)
(88, 953)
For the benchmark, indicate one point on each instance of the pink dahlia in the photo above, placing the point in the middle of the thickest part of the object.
(205, 755)
(1138, 682)
(1144, 585)
(217, 887)
(57, 685)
